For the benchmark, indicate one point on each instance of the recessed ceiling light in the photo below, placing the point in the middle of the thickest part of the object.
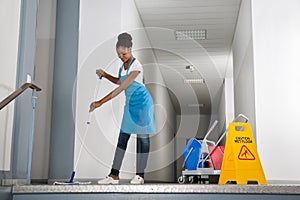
(199, 34)
(196, 105)
(196, 80)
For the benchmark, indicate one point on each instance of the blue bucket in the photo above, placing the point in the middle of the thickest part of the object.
(192, 160)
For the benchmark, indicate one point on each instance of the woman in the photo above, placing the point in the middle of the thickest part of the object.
(138, 117)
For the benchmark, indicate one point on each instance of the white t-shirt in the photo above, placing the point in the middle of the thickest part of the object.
(135, 66)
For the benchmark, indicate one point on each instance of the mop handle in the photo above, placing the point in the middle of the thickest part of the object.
(215, 146)
(225, 132)
(82, 142)
(108, 66)
(187, 156)
(211, 129)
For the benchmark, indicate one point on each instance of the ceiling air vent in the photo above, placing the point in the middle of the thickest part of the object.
(199, 34)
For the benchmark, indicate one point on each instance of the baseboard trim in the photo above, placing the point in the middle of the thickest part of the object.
(10, 182)
(283, 182)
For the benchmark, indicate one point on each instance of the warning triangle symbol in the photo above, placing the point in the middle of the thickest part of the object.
(245, 154)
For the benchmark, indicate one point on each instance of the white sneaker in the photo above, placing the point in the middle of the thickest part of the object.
(108, 180)
(137, 180)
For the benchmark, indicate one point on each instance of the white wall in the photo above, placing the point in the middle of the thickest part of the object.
(9, 40)
(276, 45)
(229, 91)
(100, 24)
(44, 64)
(242, 48)
(162, 145)
(221, 115)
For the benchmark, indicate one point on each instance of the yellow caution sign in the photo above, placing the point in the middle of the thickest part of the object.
(241, 161)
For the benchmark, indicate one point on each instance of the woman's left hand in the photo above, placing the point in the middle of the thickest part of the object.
(94, 105)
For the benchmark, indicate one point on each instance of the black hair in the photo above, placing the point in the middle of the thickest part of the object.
(124, 40)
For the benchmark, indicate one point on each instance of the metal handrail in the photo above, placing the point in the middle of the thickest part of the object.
(16, 93)
(10, 98)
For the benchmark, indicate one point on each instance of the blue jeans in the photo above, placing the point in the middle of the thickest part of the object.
(143, 146)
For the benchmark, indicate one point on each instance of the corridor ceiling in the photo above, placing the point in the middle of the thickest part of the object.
(209, 57)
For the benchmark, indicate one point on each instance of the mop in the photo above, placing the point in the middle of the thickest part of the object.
(72, 181)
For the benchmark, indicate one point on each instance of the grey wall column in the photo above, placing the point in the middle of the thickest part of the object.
(64, 80)
(23, 106)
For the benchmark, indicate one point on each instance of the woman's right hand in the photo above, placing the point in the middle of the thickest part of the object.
(94, 105)
(100, 73)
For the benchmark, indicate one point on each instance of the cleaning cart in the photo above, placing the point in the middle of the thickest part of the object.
(198, 163)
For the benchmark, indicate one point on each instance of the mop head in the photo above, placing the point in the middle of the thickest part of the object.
(72, 183)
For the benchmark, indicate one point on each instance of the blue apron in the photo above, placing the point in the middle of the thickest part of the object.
(139, 116)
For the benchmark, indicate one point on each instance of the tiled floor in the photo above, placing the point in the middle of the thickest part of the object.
(161, 188)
